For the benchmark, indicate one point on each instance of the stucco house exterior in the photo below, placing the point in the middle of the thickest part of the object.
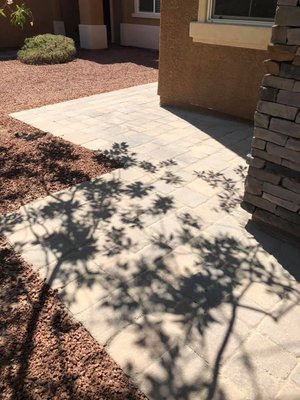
(92, 23)
(212, 53)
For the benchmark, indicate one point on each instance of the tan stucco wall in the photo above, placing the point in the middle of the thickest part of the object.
(91, 12)
(225, 79)
(128, 10)
(43, 11)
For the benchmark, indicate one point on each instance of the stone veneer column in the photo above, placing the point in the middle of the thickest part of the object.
(93, 33)
(272, 190)
(58, 23)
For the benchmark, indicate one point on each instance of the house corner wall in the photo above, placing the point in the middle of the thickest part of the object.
(222, 78)
(272, 190)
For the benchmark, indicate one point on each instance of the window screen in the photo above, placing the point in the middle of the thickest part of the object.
(244, 9)
(152, 6)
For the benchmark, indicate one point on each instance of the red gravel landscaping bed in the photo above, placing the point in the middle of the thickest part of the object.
(32, 168)
(45, 353)
(26, 86)
(32, 165)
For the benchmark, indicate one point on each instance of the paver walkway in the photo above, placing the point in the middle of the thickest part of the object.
(157, 259)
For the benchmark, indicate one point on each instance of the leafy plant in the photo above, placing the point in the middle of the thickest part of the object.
(18, 14)
(47, 49)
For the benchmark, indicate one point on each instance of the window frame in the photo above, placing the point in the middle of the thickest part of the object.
(232, 33)
(235, 20)
(144, 14)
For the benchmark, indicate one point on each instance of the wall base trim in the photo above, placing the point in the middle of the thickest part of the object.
(93, 37)
(137, 35)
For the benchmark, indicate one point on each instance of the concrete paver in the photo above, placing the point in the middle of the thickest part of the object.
(157, 260)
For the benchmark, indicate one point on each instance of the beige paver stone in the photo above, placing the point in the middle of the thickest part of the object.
(189, 197)
(180, 372)
(284, 330)
(295, 376)
(289, 392)
(259, 366)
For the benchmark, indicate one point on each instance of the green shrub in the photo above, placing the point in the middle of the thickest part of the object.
(47, 49)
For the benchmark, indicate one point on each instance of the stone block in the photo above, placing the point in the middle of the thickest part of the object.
(268, 94)
(278, 82)
(279, 224)
(272, 67)
(288, 16)
(293, 36)
(279, 34)
(296, 60)
(293, 144)
(286, 127)
(260, 202)
(261, 120)
(253, 186)
(282, 171)
(248, 207)
(280, 52)
(283, 152)
(258, 143)
(283, 193)
(296, 87)
(255, 162)
(277, 110)
(288, 215)
(291, 165)
(289, 98)
(287, 2)
(291, 184)
(264, 175)
(266, 156)
(281, 202)
(298, 118)
(270, 136)
(289, 71)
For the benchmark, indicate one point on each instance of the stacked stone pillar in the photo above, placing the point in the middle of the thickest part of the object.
(272, 190)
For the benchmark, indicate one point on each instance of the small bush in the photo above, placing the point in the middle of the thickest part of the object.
(47, 49)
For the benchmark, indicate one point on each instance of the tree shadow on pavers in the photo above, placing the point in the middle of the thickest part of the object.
(230, 194)
(287, 254)
(233, 133)
(125, 258)
(204, 305)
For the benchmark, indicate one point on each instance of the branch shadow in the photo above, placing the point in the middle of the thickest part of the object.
(124, 258)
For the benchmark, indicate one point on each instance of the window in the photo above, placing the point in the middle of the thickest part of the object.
(254, 10)
(149, 6)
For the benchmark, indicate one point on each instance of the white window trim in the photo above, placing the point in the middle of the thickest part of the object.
(235, 21)
(234, 33)
(139, 14)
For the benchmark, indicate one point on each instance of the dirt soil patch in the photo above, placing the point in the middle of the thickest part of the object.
(45, 353)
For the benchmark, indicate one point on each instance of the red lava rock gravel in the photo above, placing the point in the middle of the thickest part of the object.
(32, 165)
(26, 86)
(44, 353)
